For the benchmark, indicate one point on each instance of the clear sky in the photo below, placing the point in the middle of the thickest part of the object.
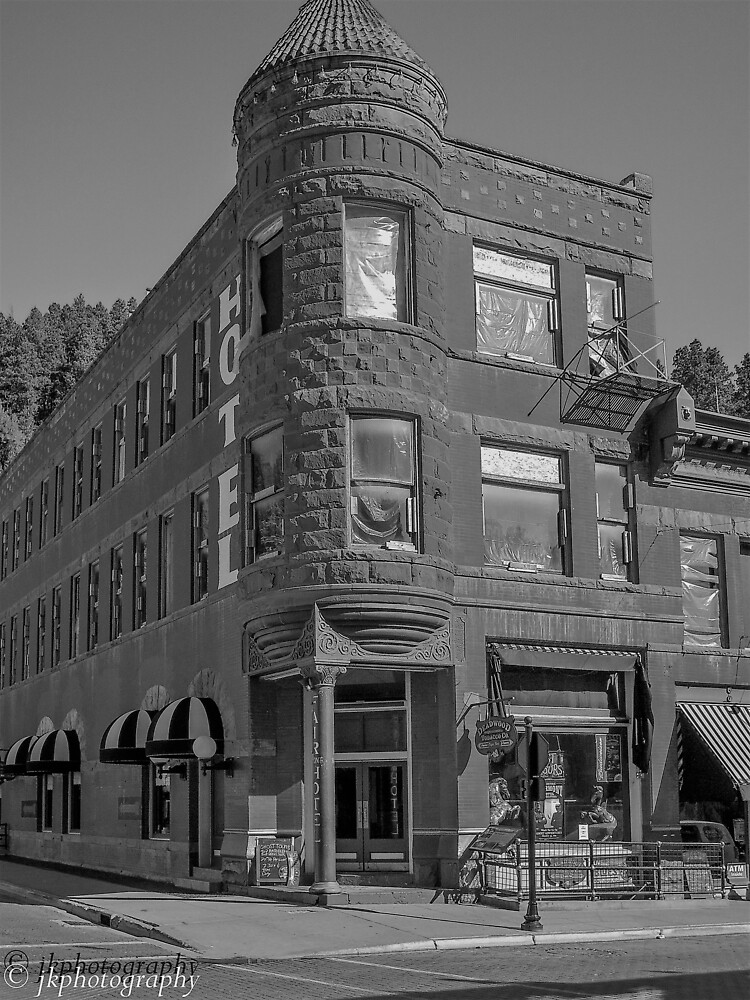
(116, 115)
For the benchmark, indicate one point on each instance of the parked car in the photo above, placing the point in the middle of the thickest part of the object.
(698, 831)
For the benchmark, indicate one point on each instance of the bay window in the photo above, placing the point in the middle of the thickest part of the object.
(377, 269)
(702, 603)
(525, 520)
(383, 499)
(517, 306)
(264, 493)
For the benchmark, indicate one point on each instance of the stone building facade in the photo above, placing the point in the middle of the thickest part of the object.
(389, 448)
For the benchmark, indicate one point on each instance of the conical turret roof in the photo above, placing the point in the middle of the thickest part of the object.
(326, 26)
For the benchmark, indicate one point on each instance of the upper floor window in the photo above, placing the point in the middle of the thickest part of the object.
(59, 499)
(143, 407)
(525, 520)
(4, 551)
(377, 267)
(75, 615)
(56, 625)
(140, 595)
(16, 551)
(702, 599)
(96, 463)
(168, 395)
(29, 542)
(200, 544)
(383, 482)
(43, 512)
(41, 634)
(26, 644)
(121, 417)
(614, 503)
(166, 564)
(13, 650)
(605, 310)
(115, 594)
(202, 370)
(93, 623)
(266, 298)
(264, 495)
(77, 481)
(2, 655)
(517, 306)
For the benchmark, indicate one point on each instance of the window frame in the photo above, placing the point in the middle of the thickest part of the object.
(41, 633)
(404, 280)
(13, 650)
(253, 499)
(168, 394)
(4, 549)
(59, 507)
(167, 593)
(200, 544)
(561, 489)
(44, 512)
(26, 643)
(74, 639)
(47, 802)
(618, 327)
(77, 499)
(73, 800)
(202, 337)
(96, 463)
(551, 295)
(719, 588)
(117, 578)
(15, 554)
(57, 625)
(142, 417)
(92, 618)
(29, 528)
(3, 654)
(140, 579)
(264, 242)
(157, 778)
(626, 522)
(119, 445)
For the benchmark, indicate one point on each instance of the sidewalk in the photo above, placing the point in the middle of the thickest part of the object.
(239, 928)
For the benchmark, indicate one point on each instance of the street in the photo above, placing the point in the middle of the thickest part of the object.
(681, 968)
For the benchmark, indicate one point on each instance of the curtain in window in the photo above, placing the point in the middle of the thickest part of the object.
(372, 266)
(379, 514)
(700, 592)
(512, 321)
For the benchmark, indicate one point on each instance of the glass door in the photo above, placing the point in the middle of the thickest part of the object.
(371, 816)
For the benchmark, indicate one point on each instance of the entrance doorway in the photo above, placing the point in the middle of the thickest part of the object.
(371, 816)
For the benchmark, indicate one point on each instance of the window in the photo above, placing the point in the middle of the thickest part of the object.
(376, 250)
(121, 418)
(16, 551)
(96, 463)
(77, 481)
(4, 552)
(200, 545)
(26, 644)
(202, 371)
(168, 395)
(517, 306)
(73, 804)
(93, 621)
(41, 634)
(159, 802)
(525, 522)
(605, 309)
(43, 512)
(265, 255)
(745, 574)
(47, 788)
(140, 609)
(75, 615)
(166, 564)
(264, 493)
(701, 592)
(29, 543)
(2, 655)
(13, 650)
(384, 507)
(142, 414)
(115, 598)
(614, 501)
(56, 621)
(59, 498)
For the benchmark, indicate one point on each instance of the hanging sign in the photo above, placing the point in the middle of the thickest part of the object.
(496, 733)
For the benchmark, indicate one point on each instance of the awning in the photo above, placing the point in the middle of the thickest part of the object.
(725, 730)
(124, 740)
(55, 753)
(18, 754)
(521, 654)
(179, 725)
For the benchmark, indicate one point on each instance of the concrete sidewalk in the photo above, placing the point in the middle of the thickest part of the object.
(240, 928)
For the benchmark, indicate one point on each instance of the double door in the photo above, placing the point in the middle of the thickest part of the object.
(371, 816)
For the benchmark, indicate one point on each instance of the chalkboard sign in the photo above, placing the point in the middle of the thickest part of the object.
(271, 860)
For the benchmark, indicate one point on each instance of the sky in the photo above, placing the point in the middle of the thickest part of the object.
(116, 118)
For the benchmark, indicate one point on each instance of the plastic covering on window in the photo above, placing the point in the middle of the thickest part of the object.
(382, 450)
(521, 526)
(513, 322)
(611, 554)
(701, 603)
(379, 514)
(507, 267)
(528, 465)
(374, 272)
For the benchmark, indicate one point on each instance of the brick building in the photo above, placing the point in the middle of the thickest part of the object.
(390, 442)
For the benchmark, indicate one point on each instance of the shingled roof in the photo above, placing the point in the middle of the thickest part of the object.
(324, 27)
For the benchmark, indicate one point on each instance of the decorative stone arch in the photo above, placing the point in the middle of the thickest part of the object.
(156, 698)
(74, 722)
(46, 725)
(208, 684)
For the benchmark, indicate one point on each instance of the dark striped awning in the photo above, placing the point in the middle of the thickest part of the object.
(526, 654)
(124, 740)
(179, 725)
(55, 753)
(17, 756)
(725, 729)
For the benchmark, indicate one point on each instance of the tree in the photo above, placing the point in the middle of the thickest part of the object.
(706, 376)
(742, 388)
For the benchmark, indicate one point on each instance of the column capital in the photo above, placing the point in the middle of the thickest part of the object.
(317, 675)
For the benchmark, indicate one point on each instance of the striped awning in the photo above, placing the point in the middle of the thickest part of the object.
(725, 730)
(17, 756)
(55, 753)
(124, 740)
(179, 725)
(523, 654)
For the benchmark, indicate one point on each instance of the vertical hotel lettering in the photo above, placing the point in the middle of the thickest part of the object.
(231, 345)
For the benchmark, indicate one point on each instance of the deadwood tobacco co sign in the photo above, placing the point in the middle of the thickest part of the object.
(496, 733)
